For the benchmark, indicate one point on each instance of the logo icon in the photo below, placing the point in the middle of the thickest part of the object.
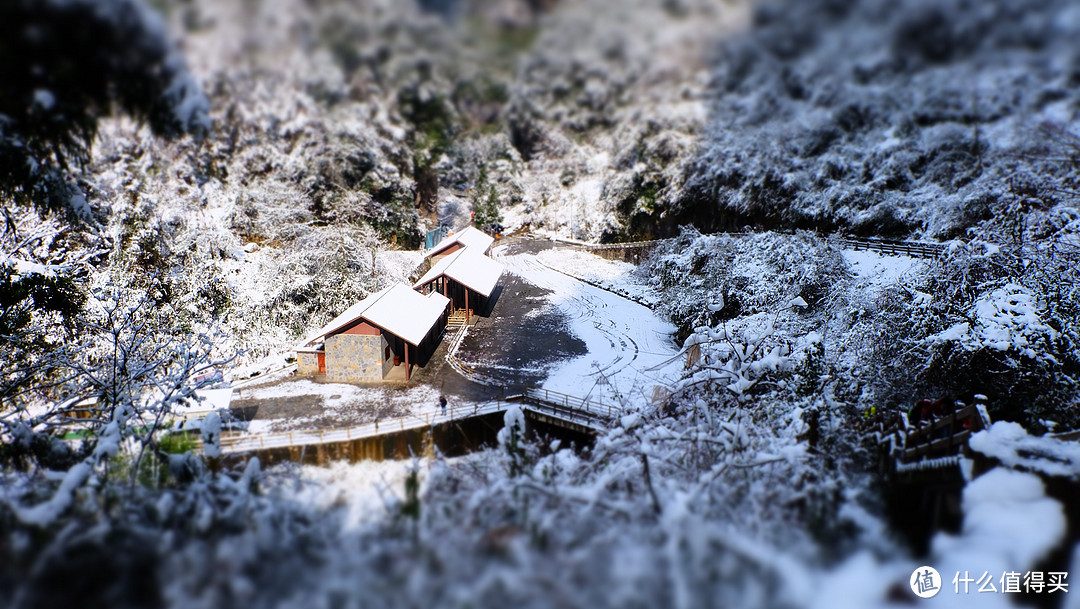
(925, 582)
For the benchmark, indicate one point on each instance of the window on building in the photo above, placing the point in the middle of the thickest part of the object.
(386, 355)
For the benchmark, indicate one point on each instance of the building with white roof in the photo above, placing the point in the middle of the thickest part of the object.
(381, 337)
(467, 277)
(470, 237)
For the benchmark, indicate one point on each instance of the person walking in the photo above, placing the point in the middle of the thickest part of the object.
(442, 403)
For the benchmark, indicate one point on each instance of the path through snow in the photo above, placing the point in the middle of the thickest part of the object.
(630, 347)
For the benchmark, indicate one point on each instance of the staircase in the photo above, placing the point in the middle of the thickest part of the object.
(458, 318)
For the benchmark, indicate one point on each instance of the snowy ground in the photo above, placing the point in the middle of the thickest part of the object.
(305, 404)
(612, 275)
(881, 268)
(630, 348)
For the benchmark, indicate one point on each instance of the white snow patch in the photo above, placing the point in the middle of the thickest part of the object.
(612, 275)
(630, 347)
(44, 99)
(365, 490)
(1009, 524)
(46, 512)
(211, 435)
(1013, 447)
(879, 267)
(1006, 318)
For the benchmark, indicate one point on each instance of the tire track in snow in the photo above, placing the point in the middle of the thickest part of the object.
(613, 327)
(580, 307)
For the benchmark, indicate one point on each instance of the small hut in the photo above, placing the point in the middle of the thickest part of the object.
(379, 338)
(466, 277)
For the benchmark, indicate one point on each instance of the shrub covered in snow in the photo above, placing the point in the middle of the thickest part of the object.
(888, 118)
(713, 278)
(1001, 324)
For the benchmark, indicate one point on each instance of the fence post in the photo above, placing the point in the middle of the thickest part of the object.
(290, 439)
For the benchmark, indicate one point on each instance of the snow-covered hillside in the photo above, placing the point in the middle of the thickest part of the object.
(743, 368)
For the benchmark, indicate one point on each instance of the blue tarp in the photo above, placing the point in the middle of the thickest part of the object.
(435, 236)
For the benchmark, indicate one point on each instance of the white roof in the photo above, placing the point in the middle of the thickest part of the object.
(470, 237)
(350, 315)
(396, 309)
(407, 313)
(468, 267)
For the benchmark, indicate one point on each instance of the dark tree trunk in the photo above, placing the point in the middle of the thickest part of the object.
(427, 192)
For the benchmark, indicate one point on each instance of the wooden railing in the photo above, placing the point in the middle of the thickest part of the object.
(913, 249)
(459, 318)
(946, 435)
(566, 406)
(627, 245)
(930, 445)
(559, 405)
(240, 442)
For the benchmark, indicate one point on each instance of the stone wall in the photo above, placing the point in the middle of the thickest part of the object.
(307, 363)
(354, 358)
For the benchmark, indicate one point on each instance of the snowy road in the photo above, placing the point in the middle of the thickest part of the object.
(630, 349)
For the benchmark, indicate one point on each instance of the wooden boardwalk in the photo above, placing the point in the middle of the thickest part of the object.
(550, 407)
(633, 250)
(912, 249)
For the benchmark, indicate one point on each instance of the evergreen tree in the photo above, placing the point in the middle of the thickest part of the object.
(485, 202)
(63, 66)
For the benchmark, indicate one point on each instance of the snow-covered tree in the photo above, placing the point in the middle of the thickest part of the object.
(66, 65)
